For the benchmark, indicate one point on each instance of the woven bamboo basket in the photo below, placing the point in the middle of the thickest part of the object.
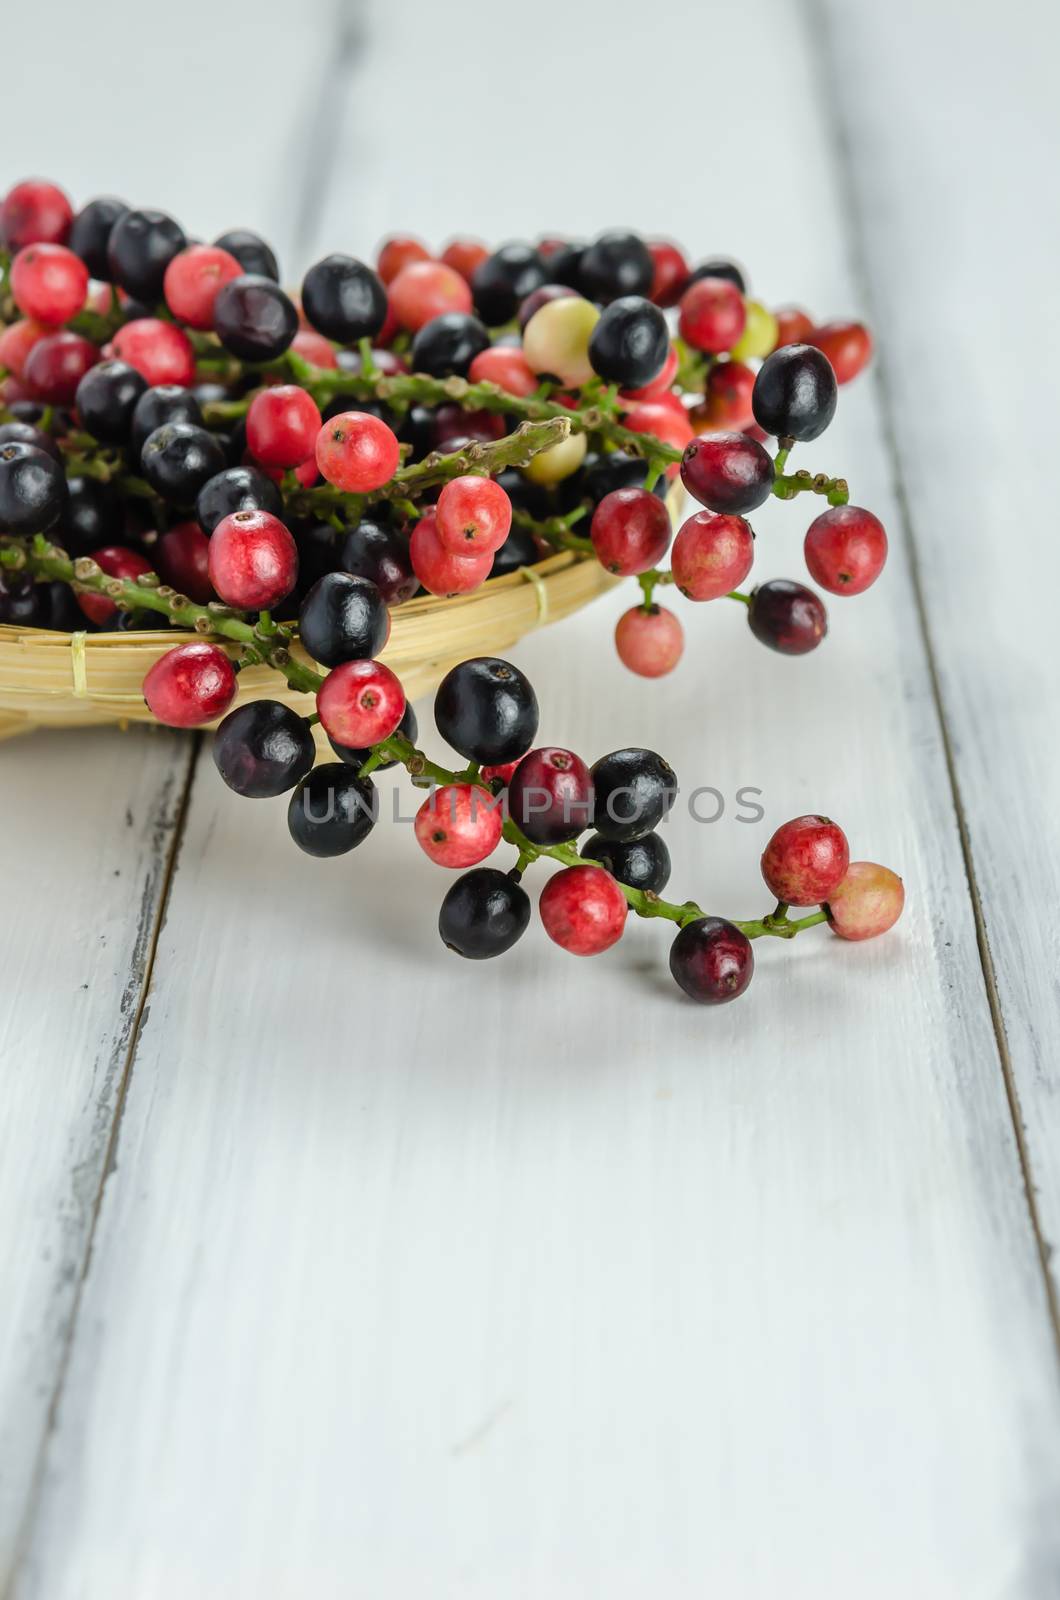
(63, 680)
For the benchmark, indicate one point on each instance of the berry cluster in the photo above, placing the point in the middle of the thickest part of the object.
(184, 442)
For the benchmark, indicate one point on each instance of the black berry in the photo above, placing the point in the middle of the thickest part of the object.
(332, 810)
(254, 319)
(343, 618)
(794, 396)
(640, 863)
(89, 517)
(505, 278)
(263, 749)
(486, 709)
(106, 400)
(787, 617)
(617, 263)
(344, 299)
(719, 267)
(17, 432)
(518, 550)
(140, 247)
(90, 233)
(712, 960)
(448, 344)
(630, 342)
(166, 402)
(178, 459)
(23, 603)
(372, 550)
(634, 789)
(484, 914)
(251, 251)
(32, 489)
(236, 489)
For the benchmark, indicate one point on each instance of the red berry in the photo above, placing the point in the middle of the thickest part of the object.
(49, 283)
(793, 326)
(253, 560)
(630, 530)
(360, 703)
(459, 825)
(397, 252)
(550, 795)
(35, 212)
(357, 452)
(664, 421)
(306, 474)
(712, 555)
(848, 346)
(56, 364)
(845, 549)
(670, 272)
(426, 289)
(193, 279)
(583, 910)
(868, 901)
(191, 685)
(787, 617)
(160, 351)
(16, 342)
(805, 860)
(473, 516)
(713, 315)
(182, 557)
(464, 255)
(502, 771)
(505, 366)
(726, 399)
(727, 472)
(649, 642)
(318, 351)
(117, 562)
(658, 388)
(438, 569)
(712, 960)
(282, 426)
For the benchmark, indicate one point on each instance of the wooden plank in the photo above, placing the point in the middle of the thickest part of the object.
(414, 1279)
(975, 452)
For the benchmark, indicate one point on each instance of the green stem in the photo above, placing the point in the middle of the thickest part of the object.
(787, 485)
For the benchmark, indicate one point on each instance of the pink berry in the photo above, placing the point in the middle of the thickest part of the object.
(630, 531)
(192, 282)
(49, 283)
(649, 642)
(793, 326)
(56, 364)
(253, 560)
(848, 346)
(868, 901)
(505, 366)
(191, 685)
(397, 252)
(459, 825)
(357, 452)
(670, 272)
(664, 420)
(473, 516)
(16, 342)
(845, 549)
(182, 558)
(438, 569)
(35, 212)
(713, 315)
(282, 426)
(159, 350)
(583, 910)
(360, 703)
(805, 860)
(318, 351)
(502, 772)
(117, 562)
(424, 290)
(712, 555)
(726, 399)
(727, 472)
(464, 255)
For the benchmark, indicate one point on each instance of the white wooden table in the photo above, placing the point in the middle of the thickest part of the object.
(332, 1267)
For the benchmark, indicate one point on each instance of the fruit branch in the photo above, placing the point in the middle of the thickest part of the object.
(787, 485)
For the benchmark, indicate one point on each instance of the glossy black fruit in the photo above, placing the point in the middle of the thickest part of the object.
(600, 475)
(332, 810)
(484, 913)
(251, 251)
(518, 550)
(486, 709)
(630, 343)
(448, 344)
(718, 267)
(344, 299)
(106, 400)
(343, 618)
(166, 402)
(178, 459)
(634, 789)
(140, 247)
(640, 863)
(263, 749)
(89, 518)
(565, 264)
(617, 263)
(254, 319)
(17, 432)
(408, 726)
(505, 278)
(236, 489)
(795, 392)
(787, 617)
(712, 960)
(23, 603)
(90, 233)
(372, 550)
(32, 489)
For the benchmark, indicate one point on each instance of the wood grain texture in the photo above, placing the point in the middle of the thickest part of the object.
(974, 420)
(418, 1280)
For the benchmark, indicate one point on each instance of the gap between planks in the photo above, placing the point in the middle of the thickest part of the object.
(819, 26)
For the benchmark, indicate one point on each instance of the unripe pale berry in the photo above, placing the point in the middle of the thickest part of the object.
(759, 337)
(867, 902)
(556, 340)
(559, 461)
(649, 641)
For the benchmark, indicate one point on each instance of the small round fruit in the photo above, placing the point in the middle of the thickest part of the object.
(356, 756)
(253, 318)
(712, 555)
(670, 272)
(106, 399)
(759, 337)
(251, 251)
(559, 461)
(32, 489)
(48, 283)
(805, 860)
(556, 340)
(794, 326)
(663, 419)
(314, 348)
(193, 280)
(373, 550)
(473, 515)
(162, 403)
(282, 426)
(583, 910)
(426, 289)
(263, 749)
(182, 559)
(542, 297)
(550, 796)
(440, 571)
(633, 791)
(343, 618)
(727, 472)
(56, 364)
(34, 212)
(447, 345)
(615, 264)
(464, 255)
(357, 452)
(502, 282)
(178, 459)
(505, 366)
(867, 902)
(713, 315)
(639, 863)
(726, 399)
(159, 350)
(630, 531)
(19, 432)
(712, 960)
(845, 549)
(487, 710)
(18, 339)
(236, 489)
(848, 346)
(630, 343)
(360, 703)
(117, 562)
(253, 560)
(719, 267)
(661, 384)
(787, 617)
(459, 825)
(795, 393)
(484, 913)
(397, 252)
(344, 299)
(140, 247)
(190, 686)
(332, 810)
(650, 641)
